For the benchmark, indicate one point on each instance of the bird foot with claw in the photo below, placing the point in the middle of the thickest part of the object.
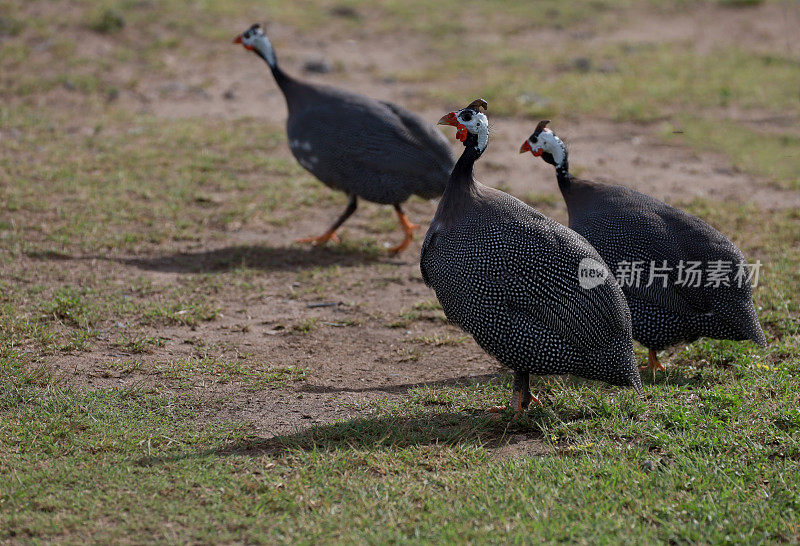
(401, 247)
(496, 412)
(320, 240)
(653, 363)
(408, 230)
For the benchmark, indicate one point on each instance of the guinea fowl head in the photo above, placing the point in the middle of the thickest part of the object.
(472, 125)
(255, 40)
(545, 144)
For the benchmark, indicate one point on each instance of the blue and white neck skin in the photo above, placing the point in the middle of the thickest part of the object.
(473, 128)
(255, 40)
(552, 149)
(476, 123)
(560, 160)
(263, 48)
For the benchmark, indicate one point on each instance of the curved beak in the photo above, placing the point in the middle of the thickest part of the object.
(238, 39)
(448, 119)
(526, 147)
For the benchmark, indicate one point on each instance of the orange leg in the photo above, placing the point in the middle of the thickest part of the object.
(408, 229)
(652, 362)
(330, 235)
(521, 396)
(321, 239)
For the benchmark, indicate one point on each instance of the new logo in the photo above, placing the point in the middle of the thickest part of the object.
(591, 273)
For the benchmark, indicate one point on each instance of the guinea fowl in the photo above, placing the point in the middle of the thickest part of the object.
(629, 228)
(509, 276)
(363, 147)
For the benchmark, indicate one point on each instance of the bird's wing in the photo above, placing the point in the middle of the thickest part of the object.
(652, 237)
(380, 140)
(415, 125)
(429, 243)
(541, 280)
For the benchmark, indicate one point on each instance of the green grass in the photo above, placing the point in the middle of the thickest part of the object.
(710, 454)
(641, 81)
(702, 459)
(244, 370)
(439, 340)
(189, 313)
(108, 21)
(431, 304)
(305, 326)
(106, 190)
(701, 94)
(757, 150)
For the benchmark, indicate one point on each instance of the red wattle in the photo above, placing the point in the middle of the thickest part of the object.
(461, 134)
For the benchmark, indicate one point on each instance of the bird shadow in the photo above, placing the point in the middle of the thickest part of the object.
(451, 428)
(434, 425)
(405, 387)
(254, 257)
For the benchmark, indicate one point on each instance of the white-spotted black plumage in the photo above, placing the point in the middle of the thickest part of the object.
(508, 275)
(364, 147)
(626, 227)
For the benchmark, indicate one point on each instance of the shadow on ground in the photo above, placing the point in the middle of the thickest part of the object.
(675, 376)
(470, 427)
(394, 389)
(433, 424)
(253, 257)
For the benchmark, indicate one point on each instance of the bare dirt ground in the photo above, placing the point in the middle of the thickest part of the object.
(359, 349)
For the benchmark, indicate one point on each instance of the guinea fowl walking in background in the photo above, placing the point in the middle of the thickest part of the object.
(363, 147)
(628, 228)
(508, 275)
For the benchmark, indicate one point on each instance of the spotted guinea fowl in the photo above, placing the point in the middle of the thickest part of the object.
(363, 147)
(509, 276)
(659, 254)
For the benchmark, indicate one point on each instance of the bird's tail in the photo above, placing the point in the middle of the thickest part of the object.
(752, 327)
(617, 363)
(757, 334)
(741, 317)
